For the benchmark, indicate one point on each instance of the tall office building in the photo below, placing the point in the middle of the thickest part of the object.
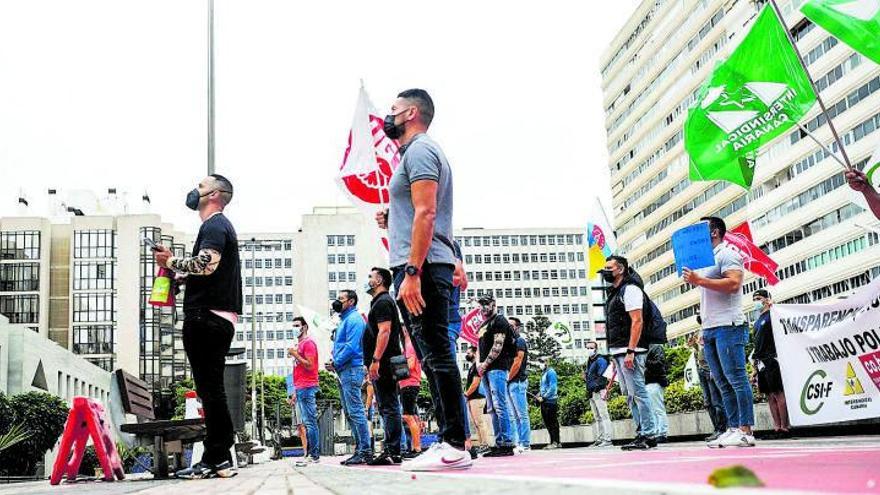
(83, 281)
(800, 210)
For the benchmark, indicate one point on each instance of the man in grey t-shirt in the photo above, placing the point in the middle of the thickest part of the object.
(725, 335)
(419, 223)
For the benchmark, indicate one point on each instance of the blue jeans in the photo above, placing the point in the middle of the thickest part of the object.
(658, 408)
(520, 425)
(725, 349)
(351, 380)
(454, 332)
(713, 401)
(632, 383)
(497, 401)
(308, 408)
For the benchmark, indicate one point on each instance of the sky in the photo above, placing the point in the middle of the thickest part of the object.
(98, 94)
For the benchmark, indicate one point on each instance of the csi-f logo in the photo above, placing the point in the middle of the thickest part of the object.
(815, 391)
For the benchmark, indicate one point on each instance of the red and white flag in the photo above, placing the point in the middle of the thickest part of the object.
(754, 260)
(369, 161)
(470, 326)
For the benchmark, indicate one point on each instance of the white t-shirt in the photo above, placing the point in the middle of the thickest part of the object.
(633, 299)
(718, 309)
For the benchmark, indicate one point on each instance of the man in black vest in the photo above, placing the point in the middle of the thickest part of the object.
(211, 307)
(625, 311)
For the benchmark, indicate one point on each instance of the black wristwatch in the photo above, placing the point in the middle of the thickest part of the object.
(412, 270)
(630, 351)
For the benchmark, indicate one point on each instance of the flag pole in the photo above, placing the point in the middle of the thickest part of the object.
(797, 52)
(825, 147)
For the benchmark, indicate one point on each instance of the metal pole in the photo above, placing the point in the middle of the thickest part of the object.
(812, 84)
(262, 386)
(210, 87)
(253, 342)
(826, 148)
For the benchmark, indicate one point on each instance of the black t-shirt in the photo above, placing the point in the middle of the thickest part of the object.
(491, 328)
(765, 345)
(472, 374)
(382, 309)
(220, 290)
(523, 372)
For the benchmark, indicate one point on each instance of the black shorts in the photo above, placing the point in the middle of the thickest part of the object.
(408, 398)
(770, 378)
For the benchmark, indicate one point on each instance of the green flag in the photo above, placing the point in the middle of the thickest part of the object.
(755, 95)
(855, 22)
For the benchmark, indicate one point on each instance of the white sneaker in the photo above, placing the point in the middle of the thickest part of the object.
(714, 444)
(440, 457)
(519, 449)
(738, 439)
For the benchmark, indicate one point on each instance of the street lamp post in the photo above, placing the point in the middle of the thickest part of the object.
(210, 87)
(253, 340)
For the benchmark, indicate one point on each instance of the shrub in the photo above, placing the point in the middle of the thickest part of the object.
(535, 418)
(679, 400)
(618, 408)
(43, 416)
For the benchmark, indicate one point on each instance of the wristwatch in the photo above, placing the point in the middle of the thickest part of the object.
(630, 351)
(412, 270)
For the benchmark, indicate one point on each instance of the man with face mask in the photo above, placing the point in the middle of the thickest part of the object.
(305, 384)
(624, 312)
(211, 307)
(768, 374)
(496, 356)
(476, 401)
(725, 334)
(594, 375)
(348, 362)
(381, 343)
(419, 223)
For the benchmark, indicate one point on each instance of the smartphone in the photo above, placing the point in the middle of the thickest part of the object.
(150, 244)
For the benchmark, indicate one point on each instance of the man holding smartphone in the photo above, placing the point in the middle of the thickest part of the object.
(211, 307)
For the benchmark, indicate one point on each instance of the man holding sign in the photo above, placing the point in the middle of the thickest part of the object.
(725, 335)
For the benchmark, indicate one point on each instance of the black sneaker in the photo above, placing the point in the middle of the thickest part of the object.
(410, 454)
(357, 460)
(662, 439)
(385, 459)
(499, 452)
(651, 442)
(204, 470)
(473, 452)
(640, 443)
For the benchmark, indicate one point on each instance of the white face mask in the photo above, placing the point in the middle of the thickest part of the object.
(759, 306)
(299, 331)
(591, 352)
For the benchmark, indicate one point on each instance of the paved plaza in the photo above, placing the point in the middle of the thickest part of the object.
(816, 465)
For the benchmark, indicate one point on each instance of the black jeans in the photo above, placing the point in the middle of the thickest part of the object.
(206, 339)
(388, 399)
(550, 414)
(712, 399)
(430, 332)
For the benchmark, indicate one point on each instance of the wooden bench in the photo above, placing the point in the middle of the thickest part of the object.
(137, 400)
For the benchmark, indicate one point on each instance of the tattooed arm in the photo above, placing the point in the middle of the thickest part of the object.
(204, 263)
(497, 346)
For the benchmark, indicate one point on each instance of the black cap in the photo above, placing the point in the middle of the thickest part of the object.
(761, 293)
(486, 299)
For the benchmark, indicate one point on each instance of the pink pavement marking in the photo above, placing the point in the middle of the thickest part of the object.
(833, 469)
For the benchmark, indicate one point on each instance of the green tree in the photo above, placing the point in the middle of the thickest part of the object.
(543, 348)
(42, 416)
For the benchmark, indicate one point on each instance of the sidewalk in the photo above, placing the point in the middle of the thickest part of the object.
(815, 465)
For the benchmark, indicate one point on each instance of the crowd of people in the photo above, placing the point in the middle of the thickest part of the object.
(414, 323)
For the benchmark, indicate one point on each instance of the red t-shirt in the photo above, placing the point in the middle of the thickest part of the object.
(415, 373)
(302, 377)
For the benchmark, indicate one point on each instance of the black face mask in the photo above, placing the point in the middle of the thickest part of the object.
(337, 306)
(192, 199)
(607, 275)
(392, 130)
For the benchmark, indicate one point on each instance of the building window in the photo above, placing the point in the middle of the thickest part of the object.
(21, 308)
(331, 259)
(288, 245)
(288, 298)
(23, 245)
(19, 277)
(96, 244)
(349, 240)
(93, 275)
(331, 240)
(94, 307)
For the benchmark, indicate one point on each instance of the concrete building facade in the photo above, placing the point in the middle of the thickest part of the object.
(800, 210)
